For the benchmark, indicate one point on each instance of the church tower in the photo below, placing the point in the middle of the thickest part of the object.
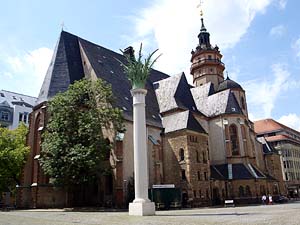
(206, 61)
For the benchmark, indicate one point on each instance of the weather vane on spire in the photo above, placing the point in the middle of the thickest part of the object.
(200, 7)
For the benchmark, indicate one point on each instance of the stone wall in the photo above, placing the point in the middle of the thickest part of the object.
(186, 164)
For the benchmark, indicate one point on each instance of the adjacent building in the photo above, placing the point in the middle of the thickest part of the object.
(199, 136)
(15, 108)
(287, 142)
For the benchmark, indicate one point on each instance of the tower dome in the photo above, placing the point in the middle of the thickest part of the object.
(229, 84)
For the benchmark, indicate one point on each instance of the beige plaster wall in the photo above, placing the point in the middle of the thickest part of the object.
(128, 166)
(217, 151)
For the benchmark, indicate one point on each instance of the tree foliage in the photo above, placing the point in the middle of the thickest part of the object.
(13, 153)
(137, 70)
(74, 147)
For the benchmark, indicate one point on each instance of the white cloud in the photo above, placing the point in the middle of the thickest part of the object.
(5, 75)
(278, 31)
(173, 26)
(282, 4)
(28, 69)
(296, 47)
(263, 94)
(291, 120)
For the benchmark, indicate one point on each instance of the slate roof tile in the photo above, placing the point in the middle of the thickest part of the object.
(240, 171)
(214, 104)
(67, 66)
(181, 120)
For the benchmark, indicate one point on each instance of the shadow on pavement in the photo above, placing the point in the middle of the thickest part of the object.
(209, 214)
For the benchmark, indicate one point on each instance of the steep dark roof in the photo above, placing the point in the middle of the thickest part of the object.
(228, 84)
(64, 69)
(194, 125)
(183, 95)
(107, 67)
(232, 106)
(67, 66)
(174, 93)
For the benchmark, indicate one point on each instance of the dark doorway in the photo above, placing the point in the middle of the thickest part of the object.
(87, 194)
(216, 200)
(185, 198)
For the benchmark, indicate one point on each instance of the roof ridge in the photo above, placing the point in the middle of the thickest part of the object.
(278, 123)
(19, 93)
(115, 52)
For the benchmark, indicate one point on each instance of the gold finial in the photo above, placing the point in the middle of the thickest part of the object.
(200, 7)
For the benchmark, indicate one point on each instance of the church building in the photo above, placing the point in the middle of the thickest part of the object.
(199, 136)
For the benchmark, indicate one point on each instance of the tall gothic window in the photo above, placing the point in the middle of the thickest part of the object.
(183, 176)
(204, 157)
(234, 139)
(241, 191)
(248, 191)
(181, 154)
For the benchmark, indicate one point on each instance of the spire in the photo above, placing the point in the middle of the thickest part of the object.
(203, 29)
(227, 78)
(203, 36)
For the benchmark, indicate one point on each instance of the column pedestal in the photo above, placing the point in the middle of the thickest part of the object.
(141, 205)
(141, 208)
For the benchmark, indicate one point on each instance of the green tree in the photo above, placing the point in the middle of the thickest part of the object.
(74, 146)
(13, 153)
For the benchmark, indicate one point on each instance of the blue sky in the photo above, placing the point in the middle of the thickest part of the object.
(259, 39)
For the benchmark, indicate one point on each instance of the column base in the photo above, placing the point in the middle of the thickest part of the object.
(141, 209)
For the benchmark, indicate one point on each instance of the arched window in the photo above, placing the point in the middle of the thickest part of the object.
(204, 157)
(234, 139)
(183, 177)
(241, 191)
(248, 191)
(243, 103)
(197, 156)
(181, 154)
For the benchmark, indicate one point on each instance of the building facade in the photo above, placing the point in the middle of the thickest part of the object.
(15, 108)
(199, 137)
(286, 141)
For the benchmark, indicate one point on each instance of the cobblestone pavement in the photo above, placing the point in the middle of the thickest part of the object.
(267, 214)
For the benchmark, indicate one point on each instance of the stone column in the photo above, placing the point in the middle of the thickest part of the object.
(141, 205)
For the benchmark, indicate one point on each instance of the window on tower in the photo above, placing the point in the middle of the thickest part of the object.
(243, 103)
(197, 156)
(183, 177)
(234, 139)
(181, 154)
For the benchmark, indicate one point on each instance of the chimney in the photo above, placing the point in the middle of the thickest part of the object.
(129, 51)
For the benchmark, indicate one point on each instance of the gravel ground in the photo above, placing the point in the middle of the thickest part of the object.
(267, 214)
